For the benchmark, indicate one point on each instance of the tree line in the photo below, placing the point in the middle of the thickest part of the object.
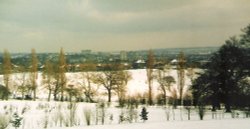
(113, 77)
(225, 80)
(27, 81)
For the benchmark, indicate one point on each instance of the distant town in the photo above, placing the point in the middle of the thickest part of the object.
(131, 59)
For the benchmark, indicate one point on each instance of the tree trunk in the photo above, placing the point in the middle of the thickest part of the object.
(70, 97)
(227, 101)
(109, 95)
(34, 95)
(62, 97)
(189, 112)
(213, 108)
(8, 93)
(55, 95)
(150, 101)
(22, 95)
(49, 95)
(164, 99)
(228, 107)
(62, 92)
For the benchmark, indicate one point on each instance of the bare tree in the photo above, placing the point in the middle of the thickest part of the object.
(33, 72)
(150, 76)
(6, 70)
(48, 73)
(110, 78)
(162, 87)
(181, 75)
(21, 81)
(191, 75)
(105, 79)
(86, 81)
(122, 79)
(181, 78)
(165, 81)
(62, 71)
(56, 82)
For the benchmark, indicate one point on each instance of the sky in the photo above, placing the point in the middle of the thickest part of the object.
(114, 25)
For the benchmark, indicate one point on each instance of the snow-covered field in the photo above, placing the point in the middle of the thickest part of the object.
(211, 124)
(137, 85)
(57, 115)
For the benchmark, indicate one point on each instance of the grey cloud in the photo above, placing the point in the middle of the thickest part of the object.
(88, 23)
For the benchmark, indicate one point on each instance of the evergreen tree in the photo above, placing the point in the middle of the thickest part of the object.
(220, 82)
(16, 122)
(144, 114)
(245, 37)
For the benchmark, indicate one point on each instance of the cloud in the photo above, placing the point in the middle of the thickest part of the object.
(132, 24)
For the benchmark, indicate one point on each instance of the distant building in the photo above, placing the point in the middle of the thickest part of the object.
(123, 55)
(85, 52)
(174, 62)
(139, 64)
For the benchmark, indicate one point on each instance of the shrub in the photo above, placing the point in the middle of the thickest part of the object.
(16, 120)
(144, 114)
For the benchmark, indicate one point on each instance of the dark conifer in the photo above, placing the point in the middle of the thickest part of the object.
(144, 114)
(16, 122)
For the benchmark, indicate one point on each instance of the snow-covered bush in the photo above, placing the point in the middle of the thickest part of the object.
(58, 115)
(87, 114)
(167, 112)
(100, 112)
(121, 117)
(72, 113)
(132, 114)
(4, 121)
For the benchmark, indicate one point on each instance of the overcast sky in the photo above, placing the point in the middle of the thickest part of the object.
(108, 25)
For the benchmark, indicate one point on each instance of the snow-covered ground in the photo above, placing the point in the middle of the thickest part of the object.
(57, 115)
(137, 85)
(209, 124)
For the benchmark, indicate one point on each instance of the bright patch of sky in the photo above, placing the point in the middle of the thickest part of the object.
(111, 25)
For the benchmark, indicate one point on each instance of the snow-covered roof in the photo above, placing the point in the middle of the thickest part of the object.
(174, 61)
(140, 61)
